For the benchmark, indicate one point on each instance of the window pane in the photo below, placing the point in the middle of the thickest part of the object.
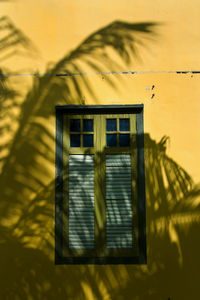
(87, 125)
(124, 140)
(88, 140)
(75, 125)
(75, 140)
(111, 125)
(111, 140)
(124, 125)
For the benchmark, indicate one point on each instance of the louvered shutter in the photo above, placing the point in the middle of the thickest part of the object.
(81, 202)
(118, 201)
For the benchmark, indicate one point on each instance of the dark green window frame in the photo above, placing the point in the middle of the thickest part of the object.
(60, 234)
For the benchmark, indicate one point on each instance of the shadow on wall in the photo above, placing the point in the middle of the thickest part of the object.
(173, 207)
(36, 121)
(27, 197)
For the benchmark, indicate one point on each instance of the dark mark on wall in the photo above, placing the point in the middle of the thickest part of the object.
(188, 72)
(181, 72)
(83, 101)
(152, 96)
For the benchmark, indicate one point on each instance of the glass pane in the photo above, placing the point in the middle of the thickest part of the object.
(124, 140)
(75, 140)
(124, 125)
(87, 125)
(111, 140)
(75, 125)
(111, 125)
(88, 140)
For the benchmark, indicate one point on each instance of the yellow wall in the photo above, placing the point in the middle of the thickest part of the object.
(27, 179)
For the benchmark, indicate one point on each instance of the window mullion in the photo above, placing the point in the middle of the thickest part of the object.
(100, 208)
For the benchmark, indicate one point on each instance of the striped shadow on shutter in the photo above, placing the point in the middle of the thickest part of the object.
(81, 202)
(118, 201)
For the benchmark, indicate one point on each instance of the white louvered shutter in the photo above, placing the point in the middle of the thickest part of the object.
(118, 201)
(81, 201)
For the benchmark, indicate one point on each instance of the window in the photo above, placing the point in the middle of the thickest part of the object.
(100, 188)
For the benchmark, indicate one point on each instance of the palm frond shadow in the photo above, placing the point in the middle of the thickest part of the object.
(27, 190)
(34, 228)
(50, 89)
(13, 41)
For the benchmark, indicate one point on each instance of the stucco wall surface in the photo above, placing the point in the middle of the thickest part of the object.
(99, 52)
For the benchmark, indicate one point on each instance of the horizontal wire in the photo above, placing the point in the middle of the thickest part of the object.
(102, 73)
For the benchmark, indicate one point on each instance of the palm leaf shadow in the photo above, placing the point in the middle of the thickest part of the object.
(13, 43)
(27, 174)
(173, 218)
(35, 226)
(35, 133)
